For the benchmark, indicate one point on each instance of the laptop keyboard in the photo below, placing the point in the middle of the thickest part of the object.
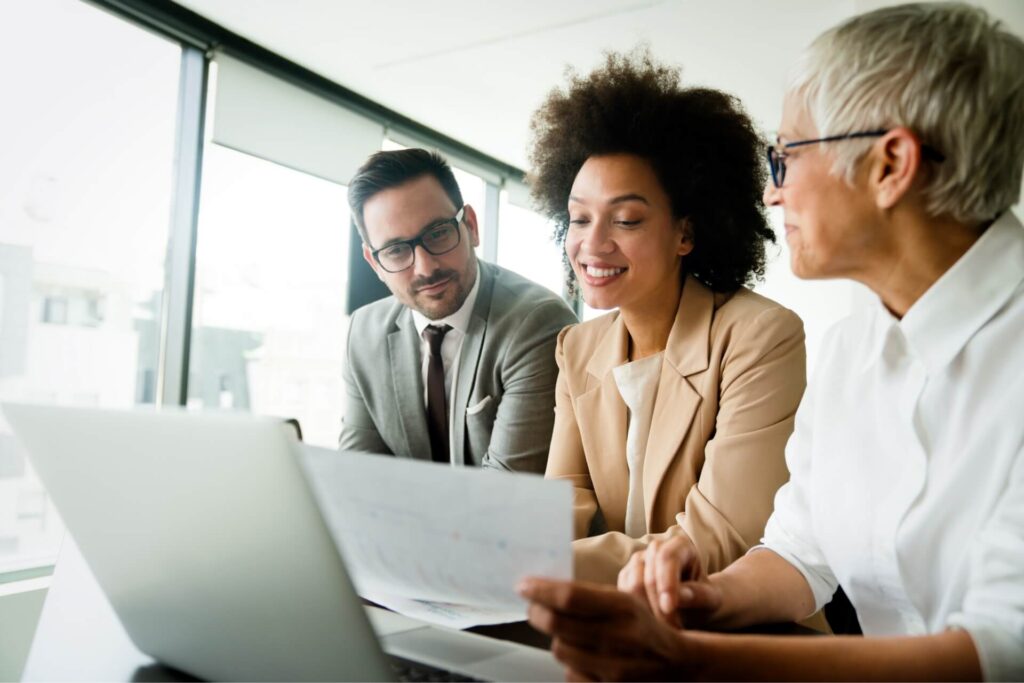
(408, 670)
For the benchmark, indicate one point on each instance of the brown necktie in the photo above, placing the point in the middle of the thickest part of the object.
(437, 413)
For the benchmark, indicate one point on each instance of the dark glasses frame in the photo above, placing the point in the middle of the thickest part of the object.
(420, 240)
(777, 152)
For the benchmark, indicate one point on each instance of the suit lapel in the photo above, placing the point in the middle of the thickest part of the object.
(601, 414)
(406, 376)
(677, 402)
(469, 356)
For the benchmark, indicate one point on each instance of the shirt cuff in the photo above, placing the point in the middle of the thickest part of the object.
(822, 588)
(1000, 648)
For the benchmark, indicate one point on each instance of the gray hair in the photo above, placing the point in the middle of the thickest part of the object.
(948, 72)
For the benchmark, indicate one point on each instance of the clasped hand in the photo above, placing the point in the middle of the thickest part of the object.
(670, 577)
(633, 633)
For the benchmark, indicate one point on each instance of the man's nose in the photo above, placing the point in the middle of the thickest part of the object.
(425, 263)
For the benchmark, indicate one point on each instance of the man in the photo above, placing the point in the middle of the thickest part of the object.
(900, 154)
(458, 365)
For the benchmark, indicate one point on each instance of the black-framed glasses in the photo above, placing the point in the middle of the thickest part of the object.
(438, 238)
(777, 153)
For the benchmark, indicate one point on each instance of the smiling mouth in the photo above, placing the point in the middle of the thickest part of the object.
(603, 272)
(595, 276)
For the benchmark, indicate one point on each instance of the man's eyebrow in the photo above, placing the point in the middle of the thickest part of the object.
(392, 242)
(632, 197)
(397, 240)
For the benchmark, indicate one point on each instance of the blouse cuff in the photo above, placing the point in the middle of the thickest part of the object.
(1000, 647)
(822, 587)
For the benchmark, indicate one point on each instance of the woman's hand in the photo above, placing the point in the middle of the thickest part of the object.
(602, 634)
(670, 578)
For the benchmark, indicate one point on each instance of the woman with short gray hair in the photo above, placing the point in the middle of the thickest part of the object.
(899, 156)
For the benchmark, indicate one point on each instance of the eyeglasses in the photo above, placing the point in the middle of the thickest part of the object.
(777, 153)
(437, 239)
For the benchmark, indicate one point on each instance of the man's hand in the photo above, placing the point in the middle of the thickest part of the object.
(602, 634)
(669, 576)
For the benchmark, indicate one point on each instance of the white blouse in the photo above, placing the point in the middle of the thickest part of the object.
(907, 463)
(638, 386)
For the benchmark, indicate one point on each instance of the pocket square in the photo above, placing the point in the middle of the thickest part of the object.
(473, 410)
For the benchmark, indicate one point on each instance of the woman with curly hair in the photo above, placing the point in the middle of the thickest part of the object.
(672, 411)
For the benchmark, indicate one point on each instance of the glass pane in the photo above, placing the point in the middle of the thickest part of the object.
(87, 134)
(474, 193)
(269, 320)
(525, 245)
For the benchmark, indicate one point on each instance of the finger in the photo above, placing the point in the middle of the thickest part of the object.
(671, 564)
(631, 578)
(541, 617)
(578, 598)
(650, 580)
(584, 631)
(699, 595)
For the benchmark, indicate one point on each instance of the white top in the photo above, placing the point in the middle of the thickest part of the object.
(451, 345)
(638, 386)
(907, 462)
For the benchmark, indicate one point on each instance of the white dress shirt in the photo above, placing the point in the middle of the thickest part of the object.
(638, 385)
(451, 345)
(907, 462)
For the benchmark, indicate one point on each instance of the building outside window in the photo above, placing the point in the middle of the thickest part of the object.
(85, 189)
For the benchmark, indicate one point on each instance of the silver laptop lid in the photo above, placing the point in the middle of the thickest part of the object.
(203, 534)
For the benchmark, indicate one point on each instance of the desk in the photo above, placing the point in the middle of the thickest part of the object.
(79, 637)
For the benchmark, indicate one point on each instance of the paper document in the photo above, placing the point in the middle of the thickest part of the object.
(415, 530)
(448, 614)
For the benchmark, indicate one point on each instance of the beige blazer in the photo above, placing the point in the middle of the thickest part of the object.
(732, 377)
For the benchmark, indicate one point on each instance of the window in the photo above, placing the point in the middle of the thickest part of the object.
(525, 245)
(269, 323)
(474, 193)
(87, 138)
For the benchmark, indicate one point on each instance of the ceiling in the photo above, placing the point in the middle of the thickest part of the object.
(476, 69)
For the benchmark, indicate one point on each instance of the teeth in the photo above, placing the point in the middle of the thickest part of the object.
(603, 272)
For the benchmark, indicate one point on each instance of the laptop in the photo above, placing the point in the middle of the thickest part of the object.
(205, 537)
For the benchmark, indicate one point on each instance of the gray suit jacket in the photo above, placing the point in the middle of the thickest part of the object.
(501, 409)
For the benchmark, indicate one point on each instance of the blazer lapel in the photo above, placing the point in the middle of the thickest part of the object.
(601, 414)
(677, 402)
(469, 357)
(407, 379)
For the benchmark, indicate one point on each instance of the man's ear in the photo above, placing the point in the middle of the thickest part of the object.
(686, 243)
(896, 165)
(368, 257)
(469, 218)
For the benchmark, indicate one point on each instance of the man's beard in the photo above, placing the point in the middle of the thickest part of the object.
(437, 309)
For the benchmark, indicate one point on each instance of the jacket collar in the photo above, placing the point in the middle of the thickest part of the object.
(688, 342)
(604, 412)
(465, 374)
